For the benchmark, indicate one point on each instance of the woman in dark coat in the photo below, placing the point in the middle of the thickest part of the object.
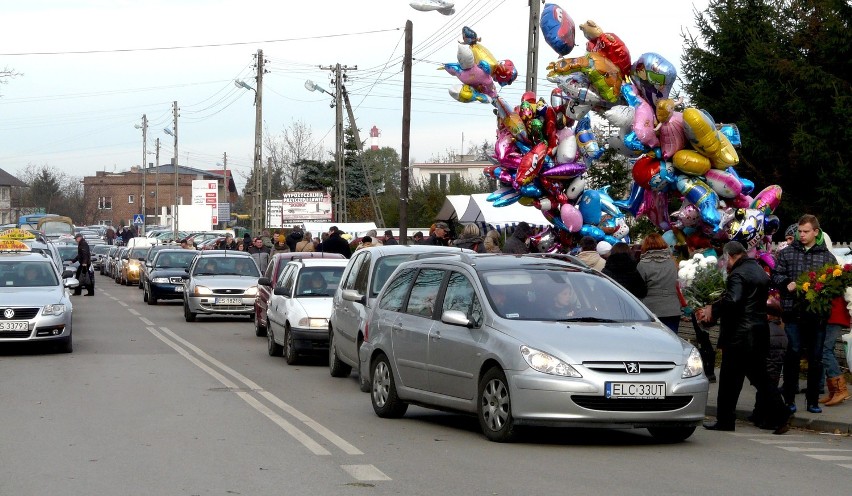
(621, 267)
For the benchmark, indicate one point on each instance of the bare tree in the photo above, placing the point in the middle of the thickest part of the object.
(292, 147)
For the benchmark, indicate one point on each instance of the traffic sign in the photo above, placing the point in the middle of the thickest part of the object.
(138, 219)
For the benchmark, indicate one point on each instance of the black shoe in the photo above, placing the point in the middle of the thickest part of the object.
(711, 378)
(783, 428)
(90, 294)
(716, 426)
(77, 294)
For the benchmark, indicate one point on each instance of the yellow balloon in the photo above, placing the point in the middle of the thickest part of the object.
(701, 132)
(691, 162)
(526, 201)
(482, 53)
(727, 155)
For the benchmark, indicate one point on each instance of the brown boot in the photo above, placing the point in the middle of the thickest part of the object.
(830, 385)
(841, 392)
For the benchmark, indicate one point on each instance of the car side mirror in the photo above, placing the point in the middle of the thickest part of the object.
(264, 281)
(68, 273)
(352, 295)
(71, 282)
(280, 291)
(185, 277)
(455, 317)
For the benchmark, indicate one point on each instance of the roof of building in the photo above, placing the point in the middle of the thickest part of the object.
(7, 179)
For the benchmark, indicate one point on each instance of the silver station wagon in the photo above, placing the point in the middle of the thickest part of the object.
(527, 340)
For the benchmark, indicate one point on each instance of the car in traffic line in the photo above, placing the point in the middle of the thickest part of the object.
(164, 277)
(149, 258)
(521, 340)
(131, 269)
(272, 273)
(364, 277)
(99, 253)
(220, 282)
(34, 303)
(300, 307)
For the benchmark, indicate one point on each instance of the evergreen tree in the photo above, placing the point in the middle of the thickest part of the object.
(315, 175)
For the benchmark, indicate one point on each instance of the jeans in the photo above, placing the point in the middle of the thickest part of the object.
(809, 332)
(829, 359)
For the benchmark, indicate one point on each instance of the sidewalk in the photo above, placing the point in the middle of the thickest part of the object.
(834, 419)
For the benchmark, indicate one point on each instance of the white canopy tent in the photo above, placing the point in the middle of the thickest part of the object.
(454, 206)
(484, 213)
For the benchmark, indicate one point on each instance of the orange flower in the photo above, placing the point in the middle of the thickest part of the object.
(821, 278)
(837, 272)
(806, 286)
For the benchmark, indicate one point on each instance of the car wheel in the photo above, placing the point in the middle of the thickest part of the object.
(336, 367)
(189, 316)
(671, 434)
(144, 295)
(140, 284)
(495, 406)
(290, 347)
(274, 349)
(259, 329)
(152, 300)
(386, 402)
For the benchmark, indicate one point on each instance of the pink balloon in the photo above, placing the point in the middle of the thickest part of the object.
(723, 183)
(656, 207)
(768, 199)
(643, 125)
(672, 137)
(742, 201)
(571, 217)
(504, 145)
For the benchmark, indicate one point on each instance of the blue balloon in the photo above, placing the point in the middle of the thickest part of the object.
(732, 132)
(633, 202)
(630, 96)
(593, 231)
(653, 76)
(631, 141)
(558, 29)
(748, 184)
(589, 205)
(500, 193)
(532, 190)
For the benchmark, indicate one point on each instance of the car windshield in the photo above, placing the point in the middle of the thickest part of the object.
(174, 260)
(101, 249)
(318, 281)
(139, 252)
(226, 266)
(67, 252)
(383, 270)
(51, 228)
(558, 294)
(27, 274)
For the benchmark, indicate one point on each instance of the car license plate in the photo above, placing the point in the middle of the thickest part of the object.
(636, 390)
(229, 301)
(15, 325)
(179, 288)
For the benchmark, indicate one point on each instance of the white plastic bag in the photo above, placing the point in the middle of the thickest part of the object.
(847, 338)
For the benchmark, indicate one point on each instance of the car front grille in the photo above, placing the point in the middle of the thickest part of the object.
(602, 403)
(229, 291)
(15, 334)
(20, 313)
(621, 367)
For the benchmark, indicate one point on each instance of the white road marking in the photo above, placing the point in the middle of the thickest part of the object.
(114, 298)
(783, 441)
(146, 321)
(845, 465)
(134, 312)
(365, 473)
(122, 303)
(309, 422)
(300, 436)
(831, 458)
(799, 449)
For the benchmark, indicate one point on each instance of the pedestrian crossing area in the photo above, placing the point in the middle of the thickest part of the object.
(836, 449)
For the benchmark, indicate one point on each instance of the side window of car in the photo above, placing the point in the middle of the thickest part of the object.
(394, 297)
(270, 271)
(461, 295)
(363, 275)
(424, 292)
(354, 266)
(288, 278)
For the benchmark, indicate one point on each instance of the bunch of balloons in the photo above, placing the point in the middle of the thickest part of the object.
(543, 149)
(478, 70)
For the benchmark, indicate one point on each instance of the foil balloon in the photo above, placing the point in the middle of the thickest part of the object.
(480, 53)
(531, 190)
(531, 164)
(544, 241)
(564, 171)
(504, 73)
(741, 201)
(643, 125)
(768, 199)
(593, 231)
(507, 200)
(723, 183)
(602, 73)
(653, 77)
(748, 185)
(566, 150)
(586, 141)
(590, 206)
(771, 224)
(630, 94)
(571, 217)
(510, 120)
(672, 136)
(686, 216)
(702, 196)
(691, 162)
(656, 207)
(558, 29)
(651, 173)
(500, 193)
(467, 94)
(621, 116)
(732, 132)
(701, 132)
(634, 200)
(578, 87)
(575, 188)
(747, 226)
(504, 145)
(608, 44)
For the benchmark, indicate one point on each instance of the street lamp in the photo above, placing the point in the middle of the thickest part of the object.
(340, 207)
(258, 211)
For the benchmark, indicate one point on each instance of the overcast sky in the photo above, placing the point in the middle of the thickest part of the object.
(76, 111)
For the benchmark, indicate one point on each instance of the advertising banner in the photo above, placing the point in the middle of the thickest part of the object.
(299, 206)
(206, 192)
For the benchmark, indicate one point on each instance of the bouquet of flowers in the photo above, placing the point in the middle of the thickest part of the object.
(702, 281)
(819, 287)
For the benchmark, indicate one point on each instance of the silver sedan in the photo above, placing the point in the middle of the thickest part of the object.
(220, 282)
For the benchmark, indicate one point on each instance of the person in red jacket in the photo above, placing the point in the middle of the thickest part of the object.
(838, 321)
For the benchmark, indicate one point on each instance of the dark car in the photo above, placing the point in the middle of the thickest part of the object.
(149, 258)
(272, 273)
(166, 271)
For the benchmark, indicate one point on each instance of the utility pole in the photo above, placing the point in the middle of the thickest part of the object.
(157, 189)
(144, 170)
(225, 189)
(257, 218)
(368, 176)
(532, 44)
(406, 134)
(268, 185)
(341, 213)
(177, 179)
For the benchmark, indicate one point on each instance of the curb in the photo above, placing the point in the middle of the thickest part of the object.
(814, 424)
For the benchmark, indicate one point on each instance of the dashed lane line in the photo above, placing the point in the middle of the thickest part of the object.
(146, 321)
(122, 303)
(365, 472)
(134, 312)
(291, 429)
(800, 449)
(831, 458)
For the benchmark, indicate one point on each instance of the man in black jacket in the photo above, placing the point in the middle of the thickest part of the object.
(294, 237)
(85, 258)
(438, 236)
(335, 243)
(744, 341)
(518, 242)
(806, 254)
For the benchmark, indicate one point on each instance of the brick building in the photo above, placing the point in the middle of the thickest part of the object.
(10, 197)
(113, 198)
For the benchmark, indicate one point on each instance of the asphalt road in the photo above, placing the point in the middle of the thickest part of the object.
(149, 404)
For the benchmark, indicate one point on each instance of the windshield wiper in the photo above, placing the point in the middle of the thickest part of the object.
(588, 319)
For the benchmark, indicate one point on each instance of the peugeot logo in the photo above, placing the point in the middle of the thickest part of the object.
(9, 313)
(631, 367)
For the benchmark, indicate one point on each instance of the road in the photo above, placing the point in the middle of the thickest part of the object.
(149, 404)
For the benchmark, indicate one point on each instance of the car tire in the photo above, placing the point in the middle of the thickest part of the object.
(274, 349)
(671, 435)
(144, 295)
(189, 316)
(495, 407)
(259, 329)
(151, 299)
(140, 284)
(386, 402)
(290, 347)
(336, 367)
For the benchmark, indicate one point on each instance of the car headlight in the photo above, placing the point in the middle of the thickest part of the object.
(694, 365)
(160, 280)
(55, 309)
(252, 291)
(313, 322)
(202, 291)
(548, 364)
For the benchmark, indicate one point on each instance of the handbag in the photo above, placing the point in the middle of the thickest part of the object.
(85, 278)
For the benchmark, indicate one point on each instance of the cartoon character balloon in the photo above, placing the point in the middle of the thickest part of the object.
(558, 29)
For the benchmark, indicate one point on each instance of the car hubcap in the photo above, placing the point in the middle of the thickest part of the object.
(288, 340)
(381, 384)
(495, 405)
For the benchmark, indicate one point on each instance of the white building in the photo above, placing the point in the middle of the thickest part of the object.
(441, 174)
